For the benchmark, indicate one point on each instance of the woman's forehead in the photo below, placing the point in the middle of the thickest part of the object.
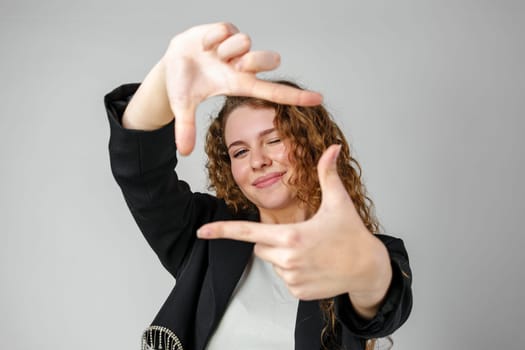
(246, 122)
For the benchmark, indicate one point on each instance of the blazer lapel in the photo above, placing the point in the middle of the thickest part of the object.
(227, 260)
(308, 326)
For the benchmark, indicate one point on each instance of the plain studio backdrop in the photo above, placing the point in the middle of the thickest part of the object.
(431, 95)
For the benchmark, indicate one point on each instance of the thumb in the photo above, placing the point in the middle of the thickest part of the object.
(332, 187)
(185, 128)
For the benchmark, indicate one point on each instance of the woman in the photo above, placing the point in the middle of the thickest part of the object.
(320, 276)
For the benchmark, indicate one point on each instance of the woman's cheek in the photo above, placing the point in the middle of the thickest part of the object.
(280, 154)
(239, 172)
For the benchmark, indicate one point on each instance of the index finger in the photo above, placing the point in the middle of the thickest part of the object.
(272, 235)
(283, 94)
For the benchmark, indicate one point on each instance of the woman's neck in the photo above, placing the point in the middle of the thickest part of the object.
(289, 215)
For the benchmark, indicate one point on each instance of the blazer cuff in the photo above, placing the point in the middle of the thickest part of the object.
(391, 315)
(153, 147)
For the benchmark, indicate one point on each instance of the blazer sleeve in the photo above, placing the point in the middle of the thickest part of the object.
(395, 308)
(142, 162)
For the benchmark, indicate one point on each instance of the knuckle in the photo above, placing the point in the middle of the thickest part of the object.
(248, 61)
(245, 40)
(243, 231)
(291, 238)
(288, 261)
(224, 28)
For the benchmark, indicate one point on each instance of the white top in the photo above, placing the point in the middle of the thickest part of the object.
(261, 313)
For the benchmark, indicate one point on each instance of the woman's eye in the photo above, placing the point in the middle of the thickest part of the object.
(273, 141)
(239, 153)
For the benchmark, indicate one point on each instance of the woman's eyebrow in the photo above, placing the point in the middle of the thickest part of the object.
(262, 133)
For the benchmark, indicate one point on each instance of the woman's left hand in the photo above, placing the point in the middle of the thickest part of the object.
(332, 253)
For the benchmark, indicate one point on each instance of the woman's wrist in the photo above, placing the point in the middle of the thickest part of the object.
(374, 278)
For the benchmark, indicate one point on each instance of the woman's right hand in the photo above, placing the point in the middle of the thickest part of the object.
(215, 59)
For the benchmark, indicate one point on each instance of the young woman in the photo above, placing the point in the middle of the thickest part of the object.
(287, 254)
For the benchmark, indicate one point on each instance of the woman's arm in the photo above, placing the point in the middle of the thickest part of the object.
(204, 61)
(201, 62)
(143, 162)
(331, 254)
(395, 307)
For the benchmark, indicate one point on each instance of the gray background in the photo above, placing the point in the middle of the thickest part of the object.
(430, 93)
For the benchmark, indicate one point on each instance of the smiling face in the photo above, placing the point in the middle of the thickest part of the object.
(259, 163)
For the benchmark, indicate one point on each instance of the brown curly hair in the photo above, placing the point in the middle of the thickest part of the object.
(310, 131)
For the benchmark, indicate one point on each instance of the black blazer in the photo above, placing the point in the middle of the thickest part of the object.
(206, 272)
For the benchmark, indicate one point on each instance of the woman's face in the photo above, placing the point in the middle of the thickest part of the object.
(259, 158)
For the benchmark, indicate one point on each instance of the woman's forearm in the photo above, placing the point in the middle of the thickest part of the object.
(149, 109)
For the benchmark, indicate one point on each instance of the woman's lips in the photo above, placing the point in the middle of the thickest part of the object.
(268, 180)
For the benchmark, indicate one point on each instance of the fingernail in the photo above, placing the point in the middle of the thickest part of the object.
(203, 233)
(336, 154)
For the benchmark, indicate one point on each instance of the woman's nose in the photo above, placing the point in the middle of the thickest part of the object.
(259, 159)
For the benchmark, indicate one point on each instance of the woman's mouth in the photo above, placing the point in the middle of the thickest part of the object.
(269, 179)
